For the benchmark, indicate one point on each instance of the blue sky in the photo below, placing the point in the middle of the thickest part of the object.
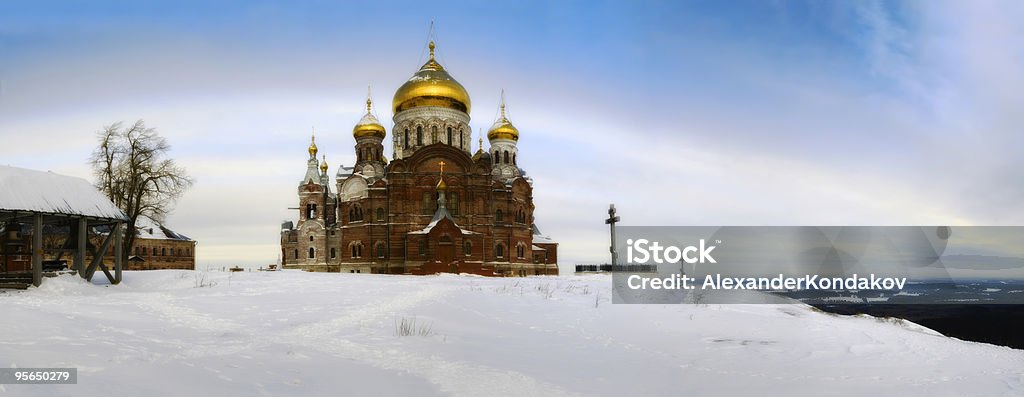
(682, 113)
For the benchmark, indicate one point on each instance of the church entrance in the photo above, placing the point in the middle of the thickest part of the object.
(445, 250)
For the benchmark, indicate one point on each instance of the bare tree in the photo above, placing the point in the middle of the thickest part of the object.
(131, 167)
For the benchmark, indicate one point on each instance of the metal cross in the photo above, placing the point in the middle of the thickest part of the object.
(441, 164)
(612, 219)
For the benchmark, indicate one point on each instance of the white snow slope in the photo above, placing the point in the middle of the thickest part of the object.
(296, 334)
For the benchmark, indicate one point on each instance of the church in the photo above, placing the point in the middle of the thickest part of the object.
(437, 207)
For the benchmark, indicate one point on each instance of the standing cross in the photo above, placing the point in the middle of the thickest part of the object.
(612, 219)
(441, 164)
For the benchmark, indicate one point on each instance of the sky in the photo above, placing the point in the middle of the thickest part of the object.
(680, 113)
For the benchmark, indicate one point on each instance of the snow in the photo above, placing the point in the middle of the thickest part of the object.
(295, 333)
(46, 192)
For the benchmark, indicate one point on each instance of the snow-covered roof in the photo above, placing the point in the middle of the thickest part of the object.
(149, 229)
(540, 238)
(440, 214)
(46, 192)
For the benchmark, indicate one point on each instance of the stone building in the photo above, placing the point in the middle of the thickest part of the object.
(437, 207)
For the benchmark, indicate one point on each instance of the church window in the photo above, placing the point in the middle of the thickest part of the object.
(310, 238)
(520, 251)
(461, 146)
(499, 217)
(419, 136)
(351, 214)
(497, 157)
(359, 250)
(310, 211)
(449, 135)
(334, 253)
(163, 252)
(513, 158)
(433, 135)
(428, 204)
(353, 250)
(406, 137)
(312, 253)
(499, 251)
(467, 248)
(296, 254)
(423, 247)
(506, 157)
(381, 251)
(453, 203)
(380, 214)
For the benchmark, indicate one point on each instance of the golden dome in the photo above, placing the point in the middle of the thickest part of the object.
(323, 165)
(368, 125)
(312, 146)
(431, 86)
(441, 185)
(503, 129)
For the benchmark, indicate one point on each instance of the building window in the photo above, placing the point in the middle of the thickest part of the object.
(520, 251)
(419, 136)
(380, 215)
(354, 251)
(461, 146)
(312, 253)
(381, 251)
(467, 248)
(145, 251)
(433, 135)
(334, 253)
(449, 135)
(406, 138)
(513, 158)
(497, 156)
(310, 238)
(453, 203)
(499, 251)
(506, 157)
(296, 254)
(137, 250)
(423, 247)
(428, 204)
(310, 211)
(163, 252)
(499, 217)
(188, 252)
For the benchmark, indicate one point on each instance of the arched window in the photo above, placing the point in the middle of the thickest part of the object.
(506, 157)
(296, 254)
(433, 135)
(354, 253)
(359, 250)
(380, 214)
(499, 251)
(449, 135)
(310, 211)
(513, 158)
(497, 157)
(406, 137)
(334, 253)
(419, 136)
(499, 217)
(467, 248)
(312, 253)
(381, 251)
(461, 146)
(310, 238)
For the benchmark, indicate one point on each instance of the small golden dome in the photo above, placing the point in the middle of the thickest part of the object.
(312, 146)
(503, 129)
(323, 165)
(368, 125)
(431, 86)
(441, 185)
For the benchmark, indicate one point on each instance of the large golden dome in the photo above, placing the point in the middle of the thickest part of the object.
(503, 128)
(431, 86)
(368, 125)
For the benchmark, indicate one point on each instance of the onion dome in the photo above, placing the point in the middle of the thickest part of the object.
(502, 128)
(312, 146)
(480, 153)
(431, 86)
(368, 125)
(323, 165)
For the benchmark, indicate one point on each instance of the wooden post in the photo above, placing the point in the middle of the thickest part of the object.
(37, 249)
(83, 233)
(118, 252)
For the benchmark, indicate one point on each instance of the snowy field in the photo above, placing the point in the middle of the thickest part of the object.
(295, 334)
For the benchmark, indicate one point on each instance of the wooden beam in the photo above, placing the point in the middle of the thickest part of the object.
(82, 237)
(37, 249)
(118, 252)
(97, 257)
